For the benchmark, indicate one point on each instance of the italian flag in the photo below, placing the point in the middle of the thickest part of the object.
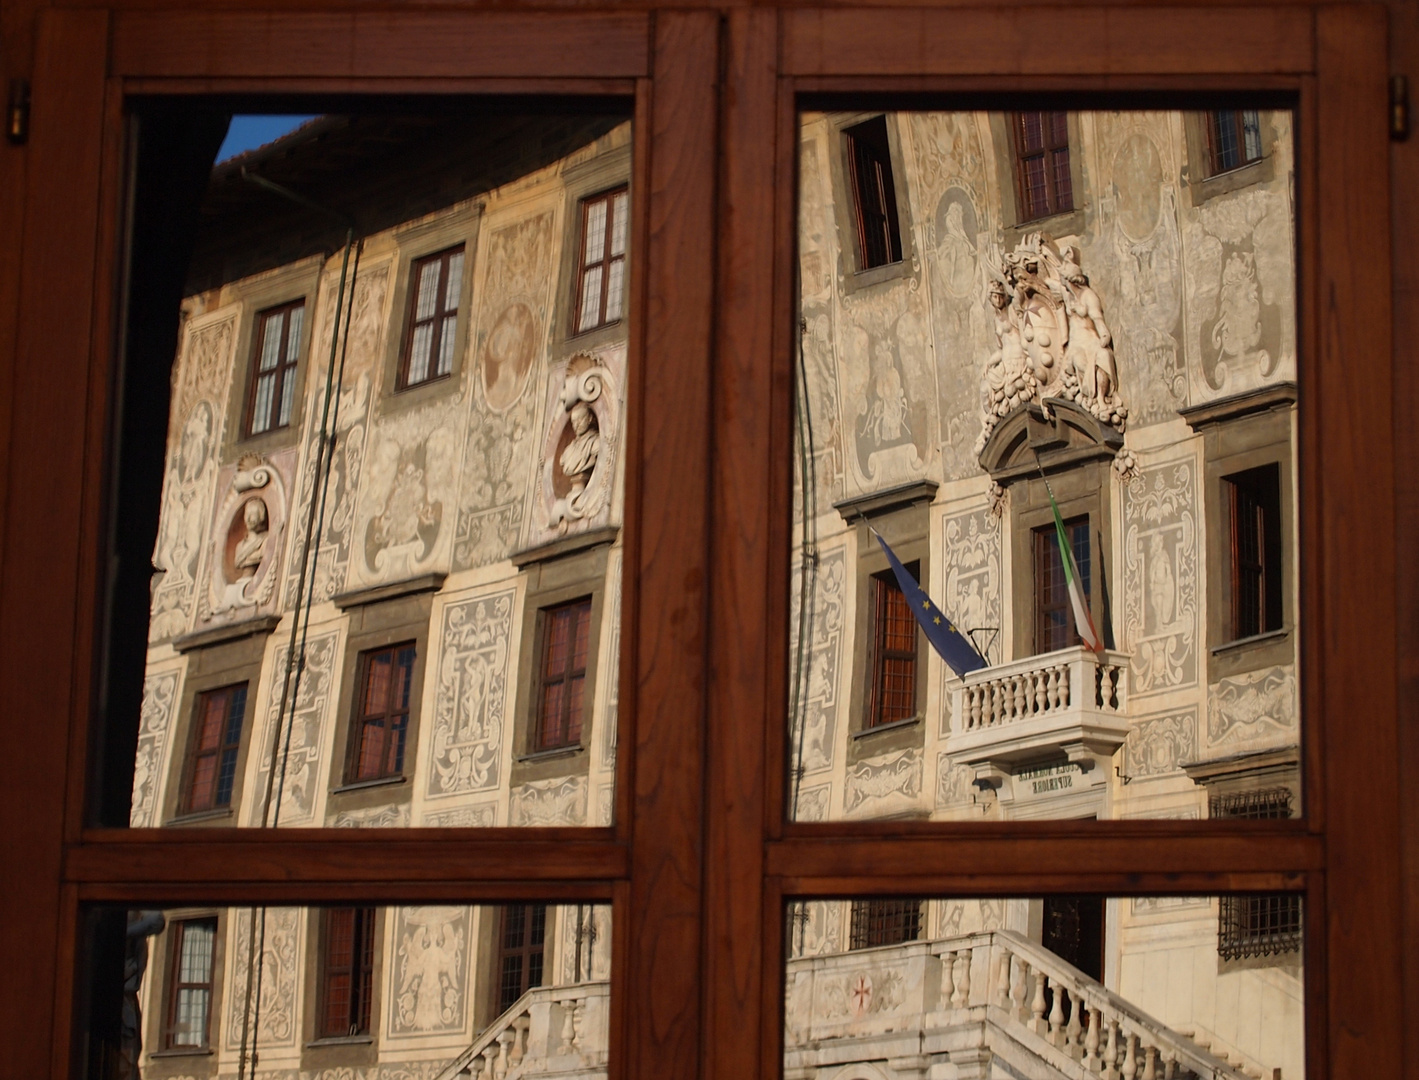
(1083, 620)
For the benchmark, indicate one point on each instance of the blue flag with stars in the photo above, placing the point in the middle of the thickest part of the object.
(952, 646)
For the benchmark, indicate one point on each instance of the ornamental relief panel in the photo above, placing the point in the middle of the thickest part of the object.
(852, 995)
(350, 409)
(508, 344)
(302, 769)
(471, 694)
(611, 662)
(954, 783)
(410, 482)
(375, 817)
(160, 697)
(1160, 579)
(1158, 745)
(478, 815)
(884, 784)
(550, 802)
(970, 561)
(428, 987)
(194, 438)
(817, 665)
(817, 254)
(1258, 708)
(247, 538)
(277, 935)
(812, 803)
(952, 200)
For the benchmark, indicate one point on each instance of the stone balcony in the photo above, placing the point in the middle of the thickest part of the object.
(1069, 704)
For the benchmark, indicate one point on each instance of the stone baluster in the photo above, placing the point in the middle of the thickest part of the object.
(1110, 1071)
(1001, 997)
(490, 1055)
(578, 1022)
(962, 977)
(1170, 1064)
(974, 694)
(1037, 1005)
(1150, 1063)
(568, 1029)
(1066, 685)
(1075, 1029)
(501, 1065)
(1130, 1060)
(948, 978)
(1052, 693)
(519, 1042)
(1021, 696)
(1091, 1042)
(1041, 690)
(1056, 1013)
(1017, 989)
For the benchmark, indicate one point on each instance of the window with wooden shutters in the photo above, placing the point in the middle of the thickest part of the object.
(1233, 139)
(193, 942)
(1043, 180)
(566, 635)
(272, 392)
(601, 274)
(216, 742)
(1254, 506)
(346, 971)
(521, 940)
(381, 713)
(1054, 614)
(894, 661)
(874, 194)
(435, 284)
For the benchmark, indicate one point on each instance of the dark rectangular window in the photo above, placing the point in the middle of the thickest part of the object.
(884, 922)
(520, 951)
(566, 639)
(212, 758)
(601, 274)
(189, 1006)
(346, 971)
(435, 283)
(1254, 546)
(1054, 614)
(272, 391)
(1233, 139)
(382, 712)
(1043, 180)
(894, 640)
(874, 194)
(1268, 924)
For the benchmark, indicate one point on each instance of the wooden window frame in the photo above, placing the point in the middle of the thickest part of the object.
(173, 986)
(883, 191)
(608, 260)
(1048, 149)
(1211, 127)
(360, 971)
(700, 862)
(555, 733)
(437, 320)
(1043, 540)
(1239, 489)
(882, 587)
(359, 718)
(225, 746)
(524, 951)
(287, 370)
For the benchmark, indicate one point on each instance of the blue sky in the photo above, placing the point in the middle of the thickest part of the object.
(249, 132)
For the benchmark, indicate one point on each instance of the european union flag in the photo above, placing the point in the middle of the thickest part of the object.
(952, 646)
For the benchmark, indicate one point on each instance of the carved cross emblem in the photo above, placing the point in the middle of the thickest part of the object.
(861, 994)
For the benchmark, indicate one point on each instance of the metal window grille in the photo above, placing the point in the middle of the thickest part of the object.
(1257, 925)
(885, 922)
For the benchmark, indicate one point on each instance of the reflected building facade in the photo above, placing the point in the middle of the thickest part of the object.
(1094, 311)
(387, 583)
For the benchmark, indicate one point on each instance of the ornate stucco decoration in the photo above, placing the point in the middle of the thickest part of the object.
(578, 462)
(246, 541)
(1053, 342)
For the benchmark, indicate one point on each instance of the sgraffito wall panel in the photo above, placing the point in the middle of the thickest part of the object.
(162, 690)
(428, 968)
(274, 941)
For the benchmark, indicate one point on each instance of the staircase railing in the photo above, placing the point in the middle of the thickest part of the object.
(549, 1030)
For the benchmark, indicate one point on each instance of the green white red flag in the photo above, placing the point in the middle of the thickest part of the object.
(1083, 620)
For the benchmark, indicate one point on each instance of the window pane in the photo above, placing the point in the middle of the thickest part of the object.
(423, 990)
(467, 444)
(1105, 380)
(1070, 985)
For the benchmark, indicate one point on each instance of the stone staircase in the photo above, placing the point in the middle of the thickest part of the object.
(992, 1005)
(551, 1031)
